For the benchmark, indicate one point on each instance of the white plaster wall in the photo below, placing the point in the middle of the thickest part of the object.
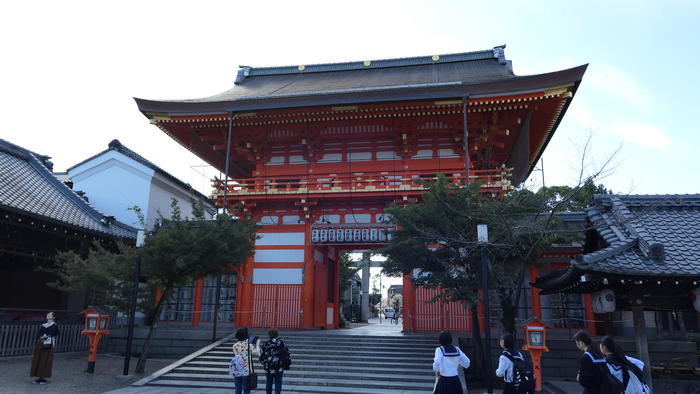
(162, 191)
(277, 239)
(113, 183)
(279, 256)
(277, 276)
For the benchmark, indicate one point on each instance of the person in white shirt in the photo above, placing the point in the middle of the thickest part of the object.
(446, 364)
(505, 365)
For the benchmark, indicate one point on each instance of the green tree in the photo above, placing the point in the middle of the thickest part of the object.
(438, 236)
(182, 250)
(348, 269)
(573, 199)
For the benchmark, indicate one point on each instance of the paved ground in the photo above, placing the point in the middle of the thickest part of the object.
(69, 375)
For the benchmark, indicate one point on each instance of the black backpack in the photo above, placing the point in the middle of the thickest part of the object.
(285, 358)
(523, 375)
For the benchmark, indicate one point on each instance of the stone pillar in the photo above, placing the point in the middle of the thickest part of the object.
(364, 302)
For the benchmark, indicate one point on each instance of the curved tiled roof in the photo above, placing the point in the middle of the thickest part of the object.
(476, 73)
(27, 186)
(651, 235)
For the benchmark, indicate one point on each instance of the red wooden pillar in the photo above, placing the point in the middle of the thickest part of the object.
(336, 288)
(409, 304)
(307, 291)
(590, 316)
(197, 313)
(535, 294)
(245, 315)
(321, 289)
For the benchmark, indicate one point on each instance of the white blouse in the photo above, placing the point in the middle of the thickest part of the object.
(448, 363)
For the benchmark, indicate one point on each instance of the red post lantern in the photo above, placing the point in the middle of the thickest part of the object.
(96, 325)
(536, 343)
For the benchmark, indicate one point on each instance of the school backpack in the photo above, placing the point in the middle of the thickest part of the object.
(237, 366)
(523, 375)
(285, 358)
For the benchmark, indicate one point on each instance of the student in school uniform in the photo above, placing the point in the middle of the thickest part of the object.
(505, 365)
(590, 374)
(624, 373)
(446, 364)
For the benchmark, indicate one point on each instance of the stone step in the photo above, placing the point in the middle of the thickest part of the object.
(332, 346)
(351, 340)
(293, 387)
(222, 375)
(387, 359)
(336, 364)
(382, 369)
(380, 386)
(329, 353)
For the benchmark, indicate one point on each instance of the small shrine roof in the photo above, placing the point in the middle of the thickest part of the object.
(117, 146)
(475, 73)
(645, 236)
(652, 235)
(28, 187)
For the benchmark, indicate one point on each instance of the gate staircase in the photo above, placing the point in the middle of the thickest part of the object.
(321, 363)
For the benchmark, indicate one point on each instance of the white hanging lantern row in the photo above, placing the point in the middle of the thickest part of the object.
(351, 233)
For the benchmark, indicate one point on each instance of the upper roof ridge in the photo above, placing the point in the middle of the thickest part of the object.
(497, 53)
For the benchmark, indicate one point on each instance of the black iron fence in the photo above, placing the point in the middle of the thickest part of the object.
(18, 339)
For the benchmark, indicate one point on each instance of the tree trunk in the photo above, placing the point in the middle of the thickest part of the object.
(509, 315)
(155, 318)
(141, 365)
(479, 360)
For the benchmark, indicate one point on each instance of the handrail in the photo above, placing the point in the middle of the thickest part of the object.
(495, 181)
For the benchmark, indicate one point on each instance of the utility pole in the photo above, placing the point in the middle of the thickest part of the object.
(483, 238)
(140, 235)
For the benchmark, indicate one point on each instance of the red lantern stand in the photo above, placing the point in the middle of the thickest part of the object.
(96, 325)
(535, 343)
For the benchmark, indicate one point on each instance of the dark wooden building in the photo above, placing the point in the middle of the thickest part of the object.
(40, 216)
(641, 265)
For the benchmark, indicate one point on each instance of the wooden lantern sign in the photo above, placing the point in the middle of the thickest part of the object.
(96, 325)
(536, 344)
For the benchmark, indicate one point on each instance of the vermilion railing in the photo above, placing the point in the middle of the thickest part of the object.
(495, 181)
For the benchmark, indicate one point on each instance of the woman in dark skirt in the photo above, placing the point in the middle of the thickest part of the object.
(446, 364)
(42, 362)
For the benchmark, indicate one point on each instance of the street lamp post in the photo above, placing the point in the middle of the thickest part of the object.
(483, 238)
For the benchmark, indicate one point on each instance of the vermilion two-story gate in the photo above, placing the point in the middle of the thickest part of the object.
(316, 152)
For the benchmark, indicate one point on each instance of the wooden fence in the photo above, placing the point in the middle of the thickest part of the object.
(20, 339)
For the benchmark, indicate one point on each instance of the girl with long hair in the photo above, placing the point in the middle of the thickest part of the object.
(623, 372)
(590, 374)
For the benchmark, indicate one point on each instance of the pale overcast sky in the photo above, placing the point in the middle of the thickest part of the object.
(69, 69)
